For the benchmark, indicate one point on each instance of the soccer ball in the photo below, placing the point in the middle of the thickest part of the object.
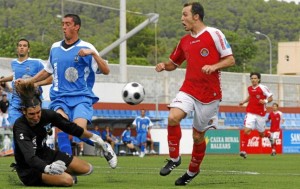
(133, 93)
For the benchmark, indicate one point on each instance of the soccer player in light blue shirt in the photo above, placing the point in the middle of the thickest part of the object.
(127, 140)
(142, 123)
(126, 135)
(23, 67)
(70, 62)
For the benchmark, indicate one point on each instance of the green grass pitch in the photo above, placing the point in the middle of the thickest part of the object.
(217, 172)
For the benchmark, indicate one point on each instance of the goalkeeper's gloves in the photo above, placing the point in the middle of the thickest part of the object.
(55, 168)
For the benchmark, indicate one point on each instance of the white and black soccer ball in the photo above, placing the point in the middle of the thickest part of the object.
(133, 93)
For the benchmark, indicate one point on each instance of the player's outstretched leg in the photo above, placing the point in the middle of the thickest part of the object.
(185, 179)
(169, 167)
(110, 156)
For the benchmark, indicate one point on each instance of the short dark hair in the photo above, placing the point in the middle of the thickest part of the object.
(197, 8)
(76, 18)
(257, 74)
(275, 104)
(23, 39)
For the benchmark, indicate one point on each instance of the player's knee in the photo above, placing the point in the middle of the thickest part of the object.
(67, 181)
(88, 169)
(91, 169)
(198, 138)
(173, 120)
(247, 131)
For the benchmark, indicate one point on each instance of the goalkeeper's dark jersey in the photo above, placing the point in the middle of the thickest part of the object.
(30, 141)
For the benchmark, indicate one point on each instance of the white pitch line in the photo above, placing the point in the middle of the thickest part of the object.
(147, 169)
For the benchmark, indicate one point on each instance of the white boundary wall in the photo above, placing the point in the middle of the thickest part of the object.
(162, 87)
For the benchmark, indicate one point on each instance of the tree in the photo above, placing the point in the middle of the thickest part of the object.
(244, 49)
(8, 42)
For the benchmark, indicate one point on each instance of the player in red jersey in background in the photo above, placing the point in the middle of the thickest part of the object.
(259, 97)
(276, 118)
(206, 52)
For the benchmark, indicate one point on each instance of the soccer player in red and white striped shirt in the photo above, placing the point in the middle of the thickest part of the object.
(259, 97)
(276, 118)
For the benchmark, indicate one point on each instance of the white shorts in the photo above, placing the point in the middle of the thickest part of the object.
(205, 115)
(253, 121)
(275, 135)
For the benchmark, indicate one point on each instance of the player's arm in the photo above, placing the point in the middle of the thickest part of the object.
(267, 100)
(68, 126)
(102, 64)
(225, 62)
(46, 81)
(6, 79)
(109, 136)
(168, 66)
(42, 75)
(244, 101)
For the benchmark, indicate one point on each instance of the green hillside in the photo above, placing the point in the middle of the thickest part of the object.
(38, 20)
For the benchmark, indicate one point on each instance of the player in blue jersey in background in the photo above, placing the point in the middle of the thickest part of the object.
(70, 62)
(142, 123)
(127, 140)
(108, 136)
(23, 67)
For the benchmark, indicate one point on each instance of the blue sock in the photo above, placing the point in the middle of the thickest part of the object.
(64, 143)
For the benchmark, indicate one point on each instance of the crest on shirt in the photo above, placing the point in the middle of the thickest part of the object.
(71, 74)
(258, 96)
(76, 58)
(48, 129)
(204, 52)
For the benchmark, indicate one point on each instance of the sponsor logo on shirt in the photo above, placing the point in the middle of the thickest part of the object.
(222, 43)
(196, 41)
(71, 74)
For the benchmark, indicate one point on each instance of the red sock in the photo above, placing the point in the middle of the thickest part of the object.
(197, 157)
(245, 140)
(174, 136)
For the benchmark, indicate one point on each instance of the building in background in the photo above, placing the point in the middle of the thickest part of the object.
(289, 58)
